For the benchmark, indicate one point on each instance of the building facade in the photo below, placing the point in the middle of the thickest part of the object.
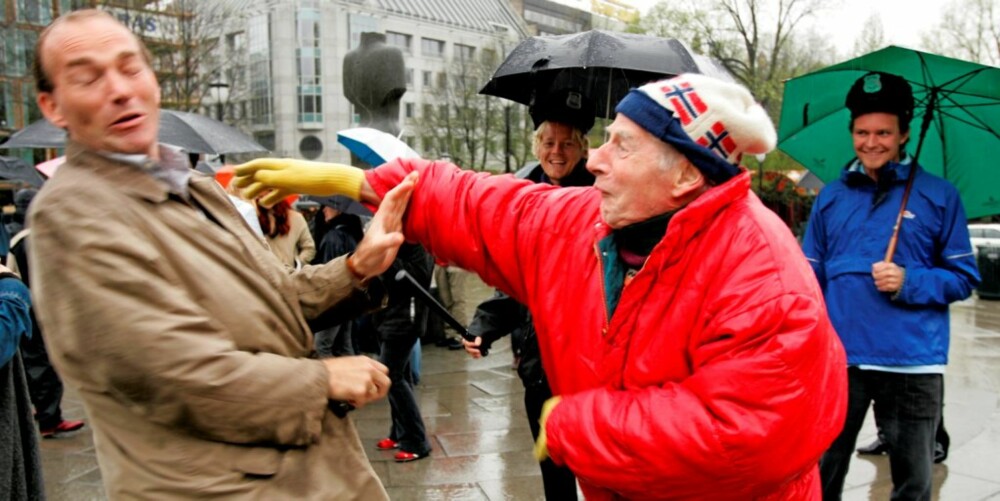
(274, 68)
(284, 63)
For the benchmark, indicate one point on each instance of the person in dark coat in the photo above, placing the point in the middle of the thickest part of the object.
(44, 384)
(338, 233)
(22, 199)
(560, 143)
(398, 333)
(20, 464)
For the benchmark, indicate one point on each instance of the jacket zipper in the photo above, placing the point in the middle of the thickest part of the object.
(604, 293)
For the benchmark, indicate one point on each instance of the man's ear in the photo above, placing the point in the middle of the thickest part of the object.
(688, 181)
(50, 109)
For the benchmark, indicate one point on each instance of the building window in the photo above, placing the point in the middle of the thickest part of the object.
(428, 145)
(427, 79)
(431, 48)
(18, 60)
(358, 24)
(489, 57)
(265, 139)
(540, 18)
(355, 116)
(310, 89)
(34, 12)
(259, 45)
(409, 78)
(442, 80)
(6, 107)
(464, 52)
(6, 50)
(443, 112)
(236, 77)
(68, 5)
(401, 40)
(410, 110)
(311, 147)
(307, 27)
(235, 44)
(428, 112)
(31, 112)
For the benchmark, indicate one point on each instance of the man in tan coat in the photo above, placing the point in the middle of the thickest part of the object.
(185, 337)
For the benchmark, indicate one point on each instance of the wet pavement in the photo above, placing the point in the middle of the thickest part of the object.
(474, 413)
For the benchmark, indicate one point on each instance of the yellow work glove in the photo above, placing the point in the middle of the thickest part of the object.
(285, 176)
(541, 445)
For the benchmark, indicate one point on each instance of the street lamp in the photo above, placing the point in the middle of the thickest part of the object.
(221, 92)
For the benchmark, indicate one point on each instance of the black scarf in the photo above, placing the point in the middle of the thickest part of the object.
(636, 241)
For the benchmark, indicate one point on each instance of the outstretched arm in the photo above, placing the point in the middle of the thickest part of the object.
(277, 178)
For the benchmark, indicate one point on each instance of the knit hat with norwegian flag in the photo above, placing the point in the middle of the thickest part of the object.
(711, 122)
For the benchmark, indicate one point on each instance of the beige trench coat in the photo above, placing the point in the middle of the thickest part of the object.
(187, 341)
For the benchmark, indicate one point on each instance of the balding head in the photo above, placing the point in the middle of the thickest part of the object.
(43, 82)
(95, 81)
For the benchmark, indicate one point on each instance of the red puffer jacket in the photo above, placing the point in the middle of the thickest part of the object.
(718, 375)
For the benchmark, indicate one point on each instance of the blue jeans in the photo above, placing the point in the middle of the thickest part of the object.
(907, 410)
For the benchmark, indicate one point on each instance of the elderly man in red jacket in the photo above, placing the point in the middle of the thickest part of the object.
(683, 331)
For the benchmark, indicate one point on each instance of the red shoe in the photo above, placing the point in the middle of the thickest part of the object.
(405, 457)
(387, 444)
(63, 427)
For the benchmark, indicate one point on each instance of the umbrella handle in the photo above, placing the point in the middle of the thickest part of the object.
(891, 250)
(405, 278)
(925, 124)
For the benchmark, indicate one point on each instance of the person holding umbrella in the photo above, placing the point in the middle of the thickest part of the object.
(892, 315)
(187, 340)
(680, 326)
(562, 119)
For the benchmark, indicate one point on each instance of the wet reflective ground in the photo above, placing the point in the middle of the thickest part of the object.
(482, 446)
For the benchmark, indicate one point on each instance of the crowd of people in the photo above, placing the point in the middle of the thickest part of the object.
(673, 338)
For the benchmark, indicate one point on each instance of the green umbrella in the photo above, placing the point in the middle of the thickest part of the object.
(955, 129)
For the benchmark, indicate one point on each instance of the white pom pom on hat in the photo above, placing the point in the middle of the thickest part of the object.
(710, 121)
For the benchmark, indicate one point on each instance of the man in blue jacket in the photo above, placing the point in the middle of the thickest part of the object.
(891, 316)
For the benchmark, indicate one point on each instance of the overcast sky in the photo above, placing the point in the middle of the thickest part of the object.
(842, 20)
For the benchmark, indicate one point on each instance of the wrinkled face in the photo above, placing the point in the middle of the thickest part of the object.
(635, 181)
(558, 151)
(877, 140)
(104, 92)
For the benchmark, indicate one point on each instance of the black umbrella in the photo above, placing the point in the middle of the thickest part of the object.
(343, 204)
(16, 169)
(192, 132)
(602, 65)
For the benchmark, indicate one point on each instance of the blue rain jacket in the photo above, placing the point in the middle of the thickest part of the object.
(849, 231)
(15, 321)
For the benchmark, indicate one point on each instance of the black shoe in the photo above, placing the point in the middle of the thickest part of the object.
(940, 452)
(455, 344)
(876, 448)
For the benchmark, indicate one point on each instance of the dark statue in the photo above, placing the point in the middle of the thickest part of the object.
(374, 82)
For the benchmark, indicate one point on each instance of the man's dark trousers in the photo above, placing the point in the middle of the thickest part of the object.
(907, 410)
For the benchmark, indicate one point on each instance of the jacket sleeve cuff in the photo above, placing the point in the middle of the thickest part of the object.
(902, 284)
